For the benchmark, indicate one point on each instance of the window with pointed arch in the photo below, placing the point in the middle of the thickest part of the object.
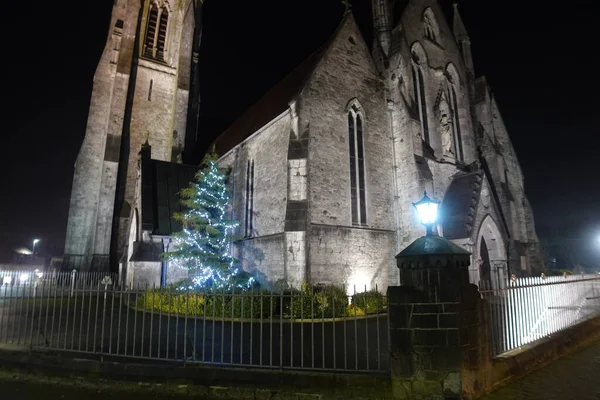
(431, 27)
(453, 81)
(156, 32)
(357, 165)
(420, 99)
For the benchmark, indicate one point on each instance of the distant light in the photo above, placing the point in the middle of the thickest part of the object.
(7, 280)
(38, 273)
(24, 251)
(24, 277)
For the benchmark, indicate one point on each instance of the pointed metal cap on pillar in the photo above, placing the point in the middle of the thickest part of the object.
(433, 252)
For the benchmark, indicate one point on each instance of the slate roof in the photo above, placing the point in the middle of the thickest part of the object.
(269, 106)
(274, 102)
(161, 183)
(458, 208)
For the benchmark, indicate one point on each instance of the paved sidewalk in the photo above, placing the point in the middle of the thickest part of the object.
(575, 377)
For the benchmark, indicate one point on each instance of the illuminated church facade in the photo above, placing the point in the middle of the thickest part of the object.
(325, 167)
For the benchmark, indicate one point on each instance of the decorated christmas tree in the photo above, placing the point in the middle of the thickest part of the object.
(204, 245)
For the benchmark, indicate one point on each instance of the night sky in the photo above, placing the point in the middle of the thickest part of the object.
(541, 62)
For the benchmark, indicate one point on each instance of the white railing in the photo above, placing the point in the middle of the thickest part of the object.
(528, 309)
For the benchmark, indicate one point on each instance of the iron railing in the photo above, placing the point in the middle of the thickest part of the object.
(527, 309)
(286, 330)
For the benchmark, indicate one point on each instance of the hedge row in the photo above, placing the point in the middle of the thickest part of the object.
(308, 303)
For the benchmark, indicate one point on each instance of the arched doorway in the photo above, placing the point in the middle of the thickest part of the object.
(491, 257)
(485, 271)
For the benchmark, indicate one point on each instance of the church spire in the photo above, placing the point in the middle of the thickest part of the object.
(381, 24)
(463, 40)
(458, 27)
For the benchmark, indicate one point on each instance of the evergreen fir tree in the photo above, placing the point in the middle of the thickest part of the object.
(203, 247)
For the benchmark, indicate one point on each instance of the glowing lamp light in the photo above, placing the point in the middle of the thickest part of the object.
(35, 241)
(7, 280)
(24, 277)
(427, 209)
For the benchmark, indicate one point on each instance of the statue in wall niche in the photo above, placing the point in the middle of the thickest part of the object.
(446, 129)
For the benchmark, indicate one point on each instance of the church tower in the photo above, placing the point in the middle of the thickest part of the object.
(145, 89)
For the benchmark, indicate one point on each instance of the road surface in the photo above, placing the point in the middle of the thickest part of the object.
(574, 377)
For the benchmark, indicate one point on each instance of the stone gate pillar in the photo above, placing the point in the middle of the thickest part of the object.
(425, 319)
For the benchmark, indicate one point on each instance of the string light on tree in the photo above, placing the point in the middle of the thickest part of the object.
(203, 247)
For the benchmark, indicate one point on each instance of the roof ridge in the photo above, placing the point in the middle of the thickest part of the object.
(276, 100)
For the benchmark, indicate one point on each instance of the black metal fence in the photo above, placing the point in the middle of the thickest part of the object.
(95, 313)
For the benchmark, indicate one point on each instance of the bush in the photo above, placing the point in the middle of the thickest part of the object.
(317, 302)
(353, 311)
(310, 302)
(371, 302)
(209, 304)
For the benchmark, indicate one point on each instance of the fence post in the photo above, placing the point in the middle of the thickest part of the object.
(426, 355)
(73, 273)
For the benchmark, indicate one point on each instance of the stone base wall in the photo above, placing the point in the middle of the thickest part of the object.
(482, 374)
(142, 274)
(263, 257)
(352, 257)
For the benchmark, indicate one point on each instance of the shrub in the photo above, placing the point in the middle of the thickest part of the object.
(310, 302)
(317, 302)
(372, 302)
(352, 310)
(209, 304)
(250, 304)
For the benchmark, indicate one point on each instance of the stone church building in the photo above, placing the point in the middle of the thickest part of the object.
(145, 89)
(325, 167)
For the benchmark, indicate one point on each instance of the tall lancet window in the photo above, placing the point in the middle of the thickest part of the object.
(151, 31)
(421, 100)
(357, 166)
(456, 125)
(156, 32)
(248, 228)
(162, 35)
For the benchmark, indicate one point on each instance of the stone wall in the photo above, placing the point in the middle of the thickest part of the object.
(102, 138)
(264, 258)
(482, 374)
(346, 73)
(262, 253)
(352, 257)
(500, 156)
(120, 111)
(267, 149)
(144, 274)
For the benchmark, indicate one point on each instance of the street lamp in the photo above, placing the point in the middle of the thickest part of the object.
(34, 243)
(427, 209)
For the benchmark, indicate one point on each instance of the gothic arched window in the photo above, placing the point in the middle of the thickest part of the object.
(162, 35)
(151, 31)
(156, 32)
(357, 166)
(421, 100)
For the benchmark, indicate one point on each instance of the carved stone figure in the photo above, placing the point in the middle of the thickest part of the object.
(446, 128)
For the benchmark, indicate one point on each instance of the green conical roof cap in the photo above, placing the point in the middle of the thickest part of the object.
(434, 246)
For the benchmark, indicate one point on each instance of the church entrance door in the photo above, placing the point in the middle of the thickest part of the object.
(485, 270)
